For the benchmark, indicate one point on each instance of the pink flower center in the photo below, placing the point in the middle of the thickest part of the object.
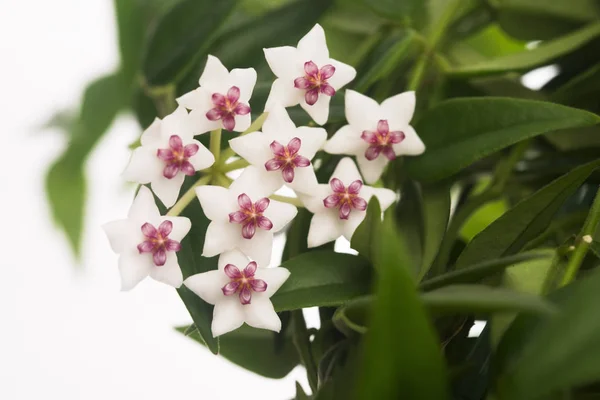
(251, 215)
(243, 282)
(286, 158)
(227, 107)
(344, 198)
(382, 141)
(315, 81)
(176, 157)
(157, 242)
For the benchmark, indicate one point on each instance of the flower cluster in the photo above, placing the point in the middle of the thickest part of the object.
(245, 214)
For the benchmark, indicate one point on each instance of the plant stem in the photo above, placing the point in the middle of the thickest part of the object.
(215, 144)
(301, 340)
(284, 199)
(583, 242)
(187, 198)
(163, 98)
(232, 166)
(256, 125)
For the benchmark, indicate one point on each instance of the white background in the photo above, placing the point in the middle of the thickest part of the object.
(67, 332)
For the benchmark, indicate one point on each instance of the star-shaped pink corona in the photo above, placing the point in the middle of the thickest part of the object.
(381, 142)
(251, 215)
(243, 282)
(286, 158)
(157, 242)
(227, 107)
(176, 157)
(315, 81)
(345, 198)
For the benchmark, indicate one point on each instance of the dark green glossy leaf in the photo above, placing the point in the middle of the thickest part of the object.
(477, 272)
(574, 10)
(254, 350)
(131, 26)
(415, 368)
(542, 55)
(538, 356)
(409, 220)
(322, 278)
(459, 132)
(366, 237)
(436, 212)
(525, 221)
(183, 35)
(413, 12)
(352, 317)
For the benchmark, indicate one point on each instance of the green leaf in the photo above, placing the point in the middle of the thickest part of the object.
(459, 132)
(300, 395)
(415, 368)
(538, 356)
(366, 237)
(436, 213)
(482, 299)
(352, 317)
(575, 10)
(525, 221)
(182, 35)
(322, 278)
(409, 220)
(413, 12)
(477, 272)
(542, 55)
(131, 26)
(254, 350)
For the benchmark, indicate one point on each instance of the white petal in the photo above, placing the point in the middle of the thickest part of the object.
(313, 46)
(399, 109)
(285, 62)
(201, 123)
(220, 237)
(261, 314)
(214, 74)
(284, 93)
(412, 145)
(228, 315)
(343, 74)
(244, 79)
(242, 122)
(253, 147)
(120, 234)
(255, 184)
(305, 180)
(203, 158)
(319, 111)
(234, 257)
(167, 190)
(151, 134)
(362, 112)
(144, 166)
(258, 248)
(177, 123)
(312, 139)
(354, 220)
(371, 169)
(314, 202)
(143, 208)
(278, 121)
(216, 202)
(280, 214)
(170, 273)
(346, 140)
(134, 267)
(208, 285)
(196, 99)
(346, 171)
(181, 227)
(325, 227)
(275, 277)
(386, 197)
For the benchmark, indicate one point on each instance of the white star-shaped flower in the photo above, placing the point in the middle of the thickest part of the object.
(168, 153)
(306, 75)
(340, 206)
(376, 133)
(243, 217)
(147, 243)
(222, 98)
(240, 293)
(282, 152)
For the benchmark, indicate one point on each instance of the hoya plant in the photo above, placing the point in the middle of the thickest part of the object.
(425, 133)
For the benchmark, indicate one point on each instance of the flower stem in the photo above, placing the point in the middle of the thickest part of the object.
(215, 144)
(256, 125)
(187, 198)
(583, 241)
(232, 166)
(284, 199)
(301, 340)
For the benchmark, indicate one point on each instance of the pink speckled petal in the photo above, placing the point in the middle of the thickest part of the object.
(160, 257)
(149, 230)
(294, 146)
(245, 202)
(165, 154)
(237, 217)
(311, 96)
(258, 285)
(190, 149)
(372, 152)
(264, 223)
(301, 83)
(327, 90)
(369, 137)
(187, 168)
(337, 186)
(262, 204)
(175, 143)
(331, 201)
(214, 114)
(165, 228)
(277, 148)
(388, 152)
(273, 164)
(229, 122)
(345, 211)
(327, 71)
(288, 173)
(397, 137)
(145, 247)
(359, 203)
(232, 271)
(382, 126)
(250, 269)
(233, 94)
(230, 288)
(311, 68)
(172, 245)
(242, 109)
(301, 161)
(248, 230)
(355, 187)
(246, 296)
(170, 171)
